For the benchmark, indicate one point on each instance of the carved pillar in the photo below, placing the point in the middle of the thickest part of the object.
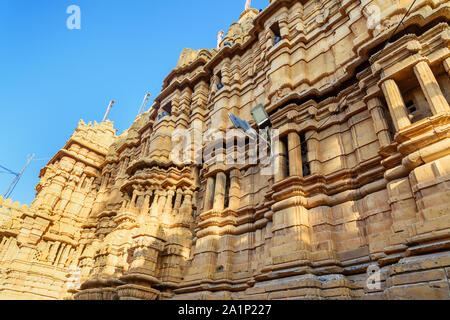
(162, 200)
(313, 152)
(396, 104)
(53, 250)
(64, 255)
(60, 251)
(133, 199)
(295, 155)
(280, 161)
(178, 200)
(124, 166)
(430, 87)
(186, 208)
(447, 65)
(235, 189)
(209, 194)
(154, 207)
(168, 206)
(284, 28)
(380, 123)
(146, 205)
(144, 148)
(219, 193)
(105, 180)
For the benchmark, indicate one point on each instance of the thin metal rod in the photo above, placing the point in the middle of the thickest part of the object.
(108, 110)
(17, 178)
(144, 103)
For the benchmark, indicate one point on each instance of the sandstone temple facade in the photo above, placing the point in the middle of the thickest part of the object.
(359, 208)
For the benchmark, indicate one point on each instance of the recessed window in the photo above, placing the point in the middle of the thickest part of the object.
(411, 107)
(275, 28)
(166, 111)
(174, 199)
(168, 108)
(219, 81)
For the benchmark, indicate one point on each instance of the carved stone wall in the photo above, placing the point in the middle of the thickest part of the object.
(362, 186)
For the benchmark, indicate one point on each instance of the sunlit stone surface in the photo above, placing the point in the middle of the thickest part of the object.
(368, 188)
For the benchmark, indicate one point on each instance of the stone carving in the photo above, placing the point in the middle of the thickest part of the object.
(355, 198)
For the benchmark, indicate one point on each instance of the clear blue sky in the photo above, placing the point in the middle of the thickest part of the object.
(50, 76)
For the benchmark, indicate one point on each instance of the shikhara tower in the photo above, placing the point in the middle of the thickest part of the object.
(368, 188)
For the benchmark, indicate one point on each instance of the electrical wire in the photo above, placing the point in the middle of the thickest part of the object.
(8, 170)
(16, 180)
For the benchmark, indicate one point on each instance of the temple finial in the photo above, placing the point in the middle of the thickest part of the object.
(248, 4)
(219, 38)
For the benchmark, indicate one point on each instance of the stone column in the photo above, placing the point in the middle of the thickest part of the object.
(430, 87)
(219, 193)
(447, 65)
(64, 255)
(284, 27)
(146, 204)
(52, 254)
(280, 161)
(313, 151)
(209, 194)
(154, 207)
(143, 148)
(295, 155)
(124, 166)
(186, 208)
(396, 104)
(379, 122)
(104, 183)
(168, 206)
(178, 199)
(235, 190)
(60, 251)
(162, 199)
(133, 200)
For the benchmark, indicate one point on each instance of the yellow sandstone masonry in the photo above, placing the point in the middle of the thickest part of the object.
(363, 181)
